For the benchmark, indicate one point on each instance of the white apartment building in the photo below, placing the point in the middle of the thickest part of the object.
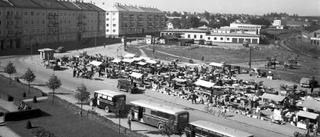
(129, 20)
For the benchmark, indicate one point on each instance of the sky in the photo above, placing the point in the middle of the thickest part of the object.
(253, 7)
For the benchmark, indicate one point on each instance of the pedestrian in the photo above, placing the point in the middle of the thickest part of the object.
(129, 120)
(74, 72)
(315, 129)
(202, 58)
(104, 45)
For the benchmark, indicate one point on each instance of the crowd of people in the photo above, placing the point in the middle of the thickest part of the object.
(215, 86)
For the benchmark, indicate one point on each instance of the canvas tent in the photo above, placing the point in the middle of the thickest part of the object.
(136, 75)
(204, 83)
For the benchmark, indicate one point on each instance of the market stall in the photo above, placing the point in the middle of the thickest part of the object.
(303, 117)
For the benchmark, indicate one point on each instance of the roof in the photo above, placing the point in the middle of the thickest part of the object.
(220, 129)
(45, 49)
(312, 28)
(187, 30)
(172, 37)
(233, 34)
(50, 4)
(203, 83)
(129, 55)
(109, 92)
(311, 104)
(135, 8)
(272, 97)
(157, 106)
(307, 114)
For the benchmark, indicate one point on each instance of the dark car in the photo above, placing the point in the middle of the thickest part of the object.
(60, 49)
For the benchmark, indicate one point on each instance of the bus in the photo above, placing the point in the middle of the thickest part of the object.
(203, 128)
(157, 115)
(107, 99)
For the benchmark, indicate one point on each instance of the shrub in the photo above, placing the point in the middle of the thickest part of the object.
(28, 126)
(35, 99)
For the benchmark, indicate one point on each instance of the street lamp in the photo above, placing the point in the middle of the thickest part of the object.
(246, 44)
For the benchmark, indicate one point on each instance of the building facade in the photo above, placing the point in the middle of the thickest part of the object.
(312, 35)
(27, 23)
(228, 34)
(128, 20)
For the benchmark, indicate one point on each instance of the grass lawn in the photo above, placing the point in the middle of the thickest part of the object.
(12, 90)
(58, 120)
(63, 123)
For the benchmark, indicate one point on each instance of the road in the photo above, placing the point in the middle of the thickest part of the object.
(257, 127)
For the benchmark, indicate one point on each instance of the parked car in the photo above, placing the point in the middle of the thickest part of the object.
(60, 49)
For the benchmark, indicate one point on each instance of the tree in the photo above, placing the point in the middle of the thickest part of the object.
(176, 23)
(10, 69)
(193, 21)
(29, 77)
(53, 83)
(82, 95)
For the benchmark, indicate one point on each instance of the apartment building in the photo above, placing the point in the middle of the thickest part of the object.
(129, 20)
(26, 23)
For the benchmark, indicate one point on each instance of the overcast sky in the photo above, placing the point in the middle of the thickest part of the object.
(259, 7)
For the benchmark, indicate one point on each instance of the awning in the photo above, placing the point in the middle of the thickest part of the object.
(151, 61)
(179, 80)
(276, 98)
(216, 64)
(305, 81)
(141, 63)
(116, 60)
(204, 83)
(129, 55)
(127, 60)
(307, 114)
(136, 75)
(311, 104)
(95, 63)
(136, 59)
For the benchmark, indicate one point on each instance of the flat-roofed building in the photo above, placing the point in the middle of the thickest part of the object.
(26, 23)
(129, 20)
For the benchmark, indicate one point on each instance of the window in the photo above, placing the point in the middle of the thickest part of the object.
(208, 38)
(107, 25)
(113, 19)
(107, 13)
(194, 36)
(26, 22)
(32, 22)
(31, 13)
(114, 30)
(215, 38)
(107, 19)
(114, 25)
(0, 13)
(200, 36)
(221, 38)
(0, 22)
(188, 35)
(107, 30)
(228, 38)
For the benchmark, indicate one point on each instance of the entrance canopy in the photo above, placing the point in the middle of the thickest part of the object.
(204, 83)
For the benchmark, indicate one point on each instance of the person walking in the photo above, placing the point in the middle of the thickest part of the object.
(129, 120)
(74, 72)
